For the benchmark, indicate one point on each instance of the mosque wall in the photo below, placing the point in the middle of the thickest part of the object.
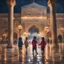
(32, 15)
(29, 23)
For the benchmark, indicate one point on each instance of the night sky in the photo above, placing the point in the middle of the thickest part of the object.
(20, 3)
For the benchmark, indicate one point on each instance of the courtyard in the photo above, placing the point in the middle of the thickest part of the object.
(34, 20)
(15, 58)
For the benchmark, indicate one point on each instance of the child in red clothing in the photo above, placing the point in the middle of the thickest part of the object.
(34, 45)
(43, 43)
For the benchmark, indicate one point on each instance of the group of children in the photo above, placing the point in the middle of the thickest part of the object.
(34, 44)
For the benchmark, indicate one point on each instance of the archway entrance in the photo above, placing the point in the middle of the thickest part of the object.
(33, 29)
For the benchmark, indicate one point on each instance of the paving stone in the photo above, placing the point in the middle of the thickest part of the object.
(26, 59)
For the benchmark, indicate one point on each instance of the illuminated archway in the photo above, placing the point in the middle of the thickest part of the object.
(35, 26)
(33, 29)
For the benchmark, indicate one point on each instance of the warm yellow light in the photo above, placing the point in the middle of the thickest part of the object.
(25, 33)
(62, 28)
(40, 17)
(5, 35)
(46, 27)
(19, 27)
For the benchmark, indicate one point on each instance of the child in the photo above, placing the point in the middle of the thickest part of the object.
(34, 45)
(43, 43)
(20, 43)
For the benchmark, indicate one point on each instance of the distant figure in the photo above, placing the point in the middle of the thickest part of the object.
(43, 43)
(60, 38)
(26, 44)
(20, 43)
(34, 45)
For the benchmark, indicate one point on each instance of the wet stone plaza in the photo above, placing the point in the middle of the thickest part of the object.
(8, 56)
(34, 21)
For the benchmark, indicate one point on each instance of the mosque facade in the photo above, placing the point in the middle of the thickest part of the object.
(33, 19)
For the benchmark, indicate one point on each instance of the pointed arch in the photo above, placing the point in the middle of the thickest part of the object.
(35, 26)
(33, 29)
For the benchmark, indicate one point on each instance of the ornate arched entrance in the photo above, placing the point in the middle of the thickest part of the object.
(33, 29)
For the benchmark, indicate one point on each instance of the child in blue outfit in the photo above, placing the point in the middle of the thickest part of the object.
(20, 43)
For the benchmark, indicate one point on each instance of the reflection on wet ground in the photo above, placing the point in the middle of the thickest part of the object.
(26, 58)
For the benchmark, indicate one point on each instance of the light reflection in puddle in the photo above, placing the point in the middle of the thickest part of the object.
(23, 60)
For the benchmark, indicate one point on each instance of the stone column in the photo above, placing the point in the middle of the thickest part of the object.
(53, 26)
(11, 4)
(51, 4)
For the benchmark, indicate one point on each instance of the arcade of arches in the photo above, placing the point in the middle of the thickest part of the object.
(33, 18)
